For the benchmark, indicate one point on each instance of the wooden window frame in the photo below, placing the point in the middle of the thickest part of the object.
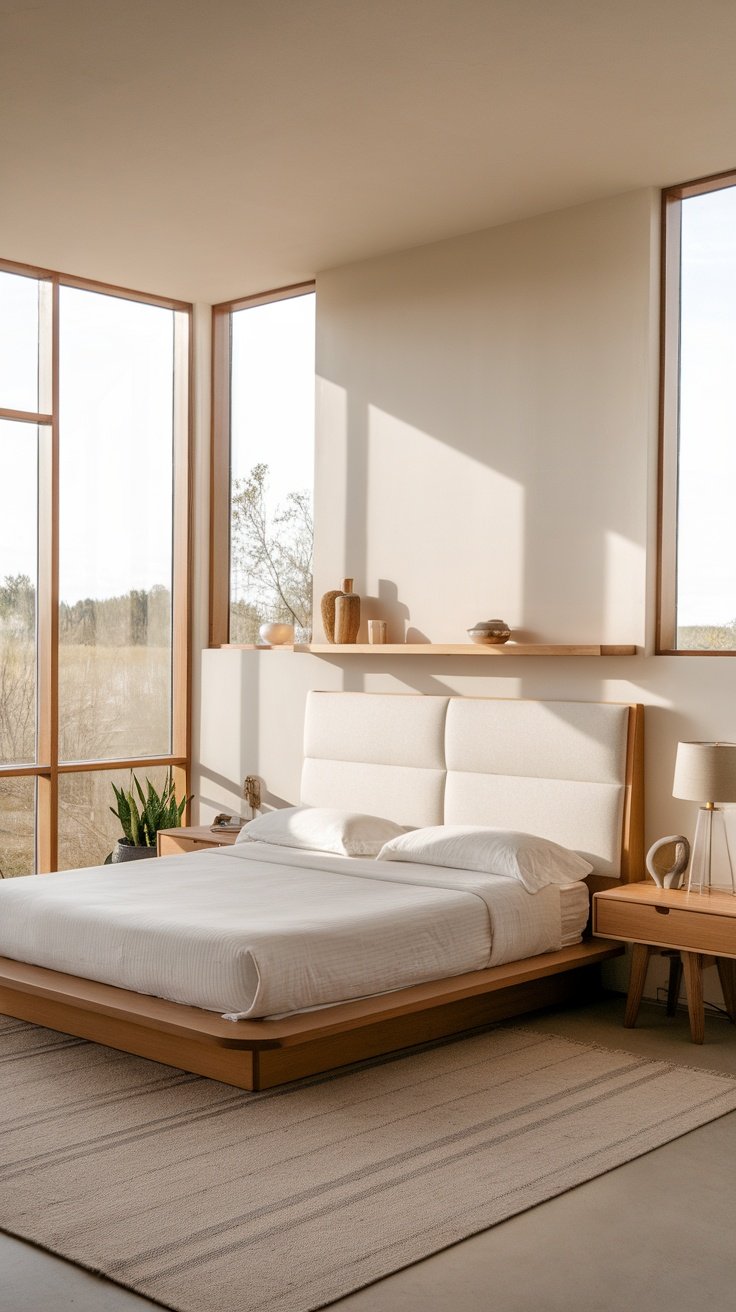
(220, 466)
(48, 767)
(669, 387)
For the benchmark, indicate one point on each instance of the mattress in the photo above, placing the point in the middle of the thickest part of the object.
(254, 930)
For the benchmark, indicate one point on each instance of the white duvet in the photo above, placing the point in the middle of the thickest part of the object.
(254, 930)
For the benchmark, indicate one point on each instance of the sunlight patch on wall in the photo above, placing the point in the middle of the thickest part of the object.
(446, 529)
(623, 584)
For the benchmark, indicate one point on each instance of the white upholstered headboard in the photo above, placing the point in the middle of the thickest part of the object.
(569, 771)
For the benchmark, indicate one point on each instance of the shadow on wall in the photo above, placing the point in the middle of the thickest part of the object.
(229, 733)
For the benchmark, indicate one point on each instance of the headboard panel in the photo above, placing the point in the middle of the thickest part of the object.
(543, 740)
(557, 769)
(379, 753)
(570, 771)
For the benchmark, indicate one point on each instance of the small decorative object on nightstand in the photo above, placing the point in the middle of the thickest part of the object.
(667, 860)
(227, 824)
(706, 772)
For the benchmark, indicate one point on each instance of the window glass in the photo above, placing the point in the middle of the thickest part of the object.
(115, 549)
(88, 830)
(705, 569)
(19, 342)
(272, 464)
(17, 826)
(18, 583)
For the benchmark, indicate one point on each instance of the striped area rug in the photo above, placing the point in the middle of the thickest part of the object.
(208, 1199)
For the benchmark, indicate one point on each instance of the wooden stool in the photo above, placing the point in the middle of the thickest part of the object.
(692, 964)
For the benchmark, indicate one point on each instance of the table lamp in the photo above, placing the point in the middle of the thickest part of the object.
(706, 773)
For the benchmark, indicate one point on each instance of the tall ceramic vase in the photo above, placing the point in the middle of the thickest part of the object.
(347, 614)
(327, 608)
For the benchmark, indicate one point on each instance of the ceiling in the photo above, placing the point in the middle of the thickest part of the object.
(206, 149)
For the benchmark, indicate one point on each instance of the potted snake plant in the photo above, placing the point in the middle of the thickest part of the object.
(142, 816)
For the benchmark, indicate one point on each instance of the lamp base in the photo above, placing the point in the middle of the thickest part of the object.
(709, 830)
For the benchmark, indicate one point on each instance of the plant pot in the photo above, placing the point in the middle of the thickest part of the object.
(123, 851)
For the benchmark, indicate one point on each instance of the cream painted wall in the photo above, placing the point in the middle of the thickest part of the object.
(484, 428)
(486, 446)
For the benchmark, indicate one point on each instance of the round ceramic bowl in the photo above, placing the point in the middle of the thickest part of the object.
(276, 634)
(491, 633)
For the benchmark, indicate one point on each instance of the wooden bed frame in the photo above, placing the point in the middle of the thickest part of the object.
(259, 1054)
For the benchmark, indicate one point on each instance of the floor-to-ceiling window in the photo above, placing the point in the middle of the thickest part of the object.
(94, 471)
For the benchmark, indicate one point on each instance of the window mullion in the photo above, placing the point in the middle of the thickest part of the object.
(48, 603)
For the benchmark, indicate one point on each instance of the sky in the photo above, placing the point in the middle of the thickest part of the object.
(116, 434)
(272, 418)
(706, 589)
(116, 370)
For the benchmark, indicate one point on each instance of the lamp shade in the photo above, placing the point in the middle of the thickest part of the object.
(705, 772)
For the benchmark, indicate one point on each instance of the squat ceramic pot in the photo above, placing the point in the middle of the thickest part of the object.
(276, 635)
(490, 632)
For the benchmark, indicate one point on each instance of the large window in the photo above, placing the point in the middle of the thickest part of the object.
(263, 458)
(93, 558)
(698, 466)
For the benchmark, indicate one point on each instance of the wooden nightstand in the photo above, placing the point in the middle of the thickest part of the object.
(698, 925)
(193, 839)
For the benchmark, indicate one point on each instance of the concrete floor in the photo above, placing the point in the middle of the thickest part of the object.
(655, 1234)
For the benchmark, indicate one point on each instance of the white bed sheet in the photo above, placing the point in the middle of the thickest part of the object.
(254, 930)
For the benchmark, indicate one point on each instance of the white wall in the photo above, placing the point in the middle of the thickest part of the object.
(486, 446)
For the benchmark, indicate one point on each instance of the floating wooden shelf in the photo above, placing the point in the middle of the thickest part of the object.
(464, 649)
(441, 649)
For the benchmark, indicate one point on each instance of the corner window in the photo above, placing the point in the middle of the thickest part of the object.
(94, 460)
(697, 611)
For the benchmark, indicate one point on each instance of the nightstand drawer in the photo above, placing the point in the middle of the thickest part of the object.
(692, 931)
(169, 846)
(192, 838)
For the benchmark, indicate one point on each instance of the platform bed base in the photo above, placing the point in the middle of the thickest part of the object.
(260, 1054)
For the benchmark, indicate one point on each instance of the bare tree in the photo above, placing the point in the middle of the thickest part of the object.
(273, 553)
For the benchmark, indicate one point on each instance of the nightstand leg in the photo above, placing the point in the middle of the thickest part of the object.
(640, 955)
(693, 965)
(675, 980)
(727, 976)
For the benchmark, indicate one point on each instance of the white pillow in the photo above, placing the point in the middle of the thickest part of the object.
(534, 862)
(322, 829)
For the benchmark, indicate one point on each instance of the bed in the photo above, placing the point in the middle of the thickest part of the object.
(570, 771)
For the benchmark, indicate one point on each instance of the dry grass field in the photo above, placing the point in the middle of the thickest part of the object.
(114, 702)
